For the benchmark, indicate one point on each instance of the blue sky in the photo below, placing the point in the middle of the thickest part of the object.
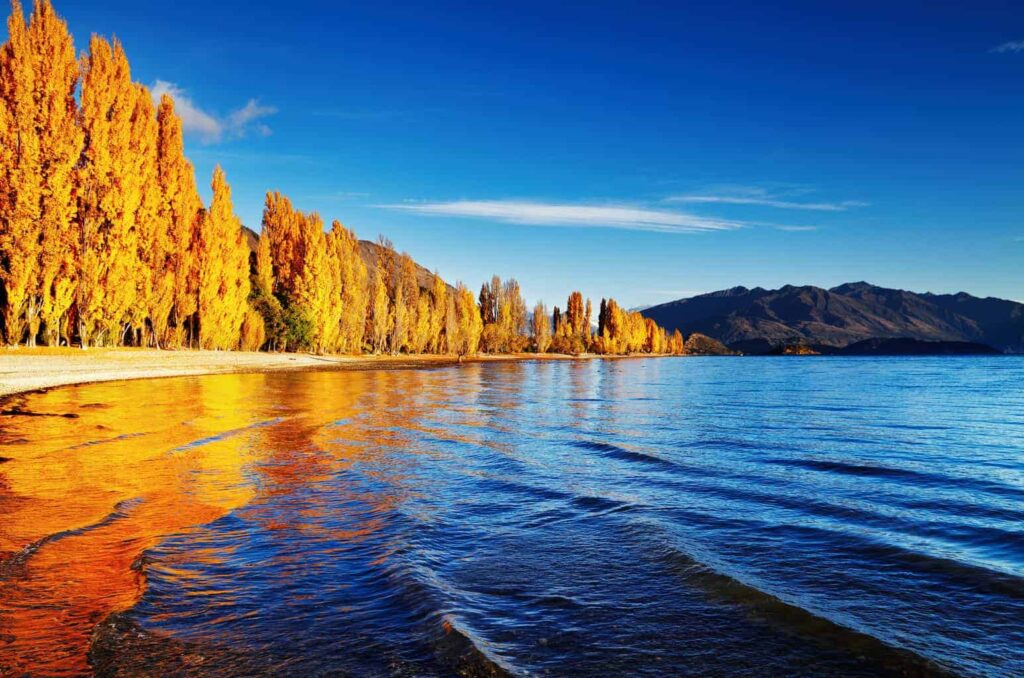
(642, 150)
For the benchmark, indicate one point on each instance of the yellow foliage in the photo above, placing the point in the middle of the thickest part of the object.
(355, 293)
(438, 313)
(379, 320)
(254, 332)
(60, 148)
(470, 325)
(180, 215)
(223, 271)
(109, 196)
(540, 328)
(100, 221)
(19, 222)
(151, 236)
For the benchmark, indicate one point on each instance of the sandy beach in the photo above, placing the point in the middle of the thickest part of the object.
(23, 369)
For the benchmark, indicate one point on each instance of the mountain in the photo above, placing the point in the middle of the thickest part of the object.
(761, 321)
(905, 346)
(369, 251)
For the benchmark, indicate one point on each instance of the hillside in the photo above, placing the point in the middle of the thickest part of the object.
(759, 320)
(368, 250)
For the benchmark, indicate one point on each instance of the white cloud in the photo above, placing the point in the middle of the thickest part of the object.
(797, 229)
(624, 217)
(1011, 46)
(767, 201)
(209, 127)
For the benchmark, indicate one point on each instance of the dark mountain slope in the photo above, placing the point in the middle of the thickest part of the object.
(841, 316)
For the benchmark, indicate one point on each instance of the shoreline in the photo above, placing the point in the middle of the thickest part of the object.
(24, 370)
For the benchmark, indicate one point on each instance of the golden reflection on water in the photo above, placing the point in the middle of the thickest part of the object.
(83, 496)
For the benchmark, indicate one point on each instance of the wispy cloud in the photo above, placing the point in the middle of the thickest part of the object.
(767, 201)
(623, 217)
(1008, 47)
(797, 229)
(209, 127)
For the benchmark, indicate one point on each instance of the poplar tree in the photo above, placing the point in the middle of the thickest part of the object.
(60, 148)
(438, 314)
(108, 194)
(20, 225)
(355, 292)
(311, 286)
(282, 227)
(470, 323)
(175, 273)
(41, 145)
(574, 314)
(223, 271)
(379, 317)
(540, 328)
(151, 292)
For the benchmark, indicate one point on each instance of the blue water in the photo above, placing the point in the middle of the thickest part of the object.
(697, 516)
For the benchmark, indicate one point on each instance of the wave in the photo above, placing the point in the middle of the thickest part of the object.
(776, 612)
(917, 478)
(623, 454)
(13, 564)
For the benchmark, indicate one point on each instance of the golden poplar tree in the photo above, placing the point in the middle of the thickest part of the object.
(540, 328)
(264, 278)
(180, 214)
(150, 233)
(42, 144)
(438, 314)
(60, 148)
(587, 314)
(379, 316)
(512, 316)
(470, 324)
(355, 290)
(574, 312)
(254, 332)
(332, 310)
(676, 344)
(20, 226)
(421, 332)
(400, 321)
(223, 271)
(283, 227)
(8, 145)
(109, 196)
(311, 286)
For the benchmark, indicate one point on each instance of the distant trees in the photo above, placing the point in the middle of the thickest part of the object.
(104, 239)
(540, 328)
(503, 314)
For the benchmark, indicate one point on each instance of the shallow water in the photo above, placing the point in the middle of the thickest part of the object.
(642, 517)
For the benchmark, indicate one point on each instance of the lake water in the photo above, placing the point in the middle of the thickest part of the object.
(650, 517)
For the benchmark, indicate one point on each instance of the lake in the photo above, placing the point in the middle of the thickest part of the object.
(643, 517)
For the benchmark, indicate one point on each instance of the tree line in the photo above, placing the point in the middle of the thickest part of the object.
(105, 241)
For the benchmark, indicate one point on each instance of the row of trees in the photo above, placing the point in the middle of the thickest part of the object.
(103, 235)
(104, 239)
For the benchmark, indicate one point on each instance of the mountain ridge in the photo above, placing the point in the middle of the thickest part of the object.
(761, 320)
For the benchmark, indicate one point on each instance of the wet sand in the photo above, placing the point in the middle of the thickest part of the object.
(24, 369)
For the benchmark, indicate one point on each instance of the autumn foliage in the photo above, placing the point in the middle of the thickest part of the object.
(104, 240)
